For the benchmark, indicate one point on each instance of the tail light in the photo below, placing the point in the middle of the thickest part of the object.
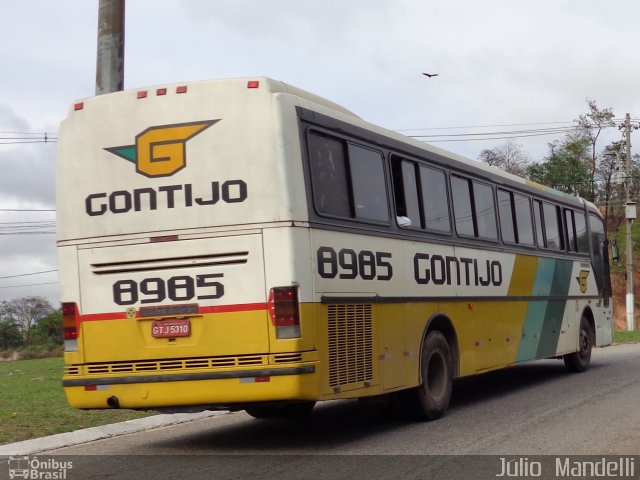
(284, 311)
(70, 321)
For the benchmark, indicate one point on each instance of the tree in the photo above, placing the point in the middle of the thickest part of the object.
(564, 168)
(9, 333)
(590, 126)
(610, 169)
(48, 329)
(26, 311)
(508, 157)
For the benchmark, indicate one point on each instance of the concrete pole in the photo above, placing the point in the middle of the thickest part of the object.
(630, 214)
(110, 55)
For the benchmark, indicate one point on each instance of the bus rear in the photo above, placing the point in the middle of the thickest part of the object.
(167, 199)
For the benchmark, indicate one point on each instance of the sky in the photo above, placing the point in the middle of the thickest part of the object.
(500, 64)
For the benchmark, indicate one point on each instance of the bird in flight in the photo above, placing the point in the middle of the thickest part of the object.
(430, 74)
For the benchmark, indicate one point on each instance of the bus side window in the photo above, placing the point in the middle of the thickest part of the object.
(405, 191)
(347, 180)
(435, 199)
(329, 175)
(462, 206)
(571, 230)
(507, 216)
(368, 184)
(581, 232)
(485, 211)
(515, 218)
(474, 208)
(524, 228)
(576, 226)
(537, 214)
(552, 224)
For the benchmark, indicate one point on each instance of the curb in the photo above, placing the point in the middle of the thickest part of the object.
(67, 439)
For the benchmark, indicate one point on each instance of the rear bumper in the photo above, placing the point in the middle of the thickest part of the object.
(195, 388)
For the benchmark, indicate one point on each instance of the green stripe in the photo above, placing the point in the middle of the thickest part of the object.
(536, 311)
(555, 310)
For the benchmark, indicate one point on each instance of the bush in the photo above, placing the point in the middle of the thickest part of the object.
(9, 355)
(47, 350)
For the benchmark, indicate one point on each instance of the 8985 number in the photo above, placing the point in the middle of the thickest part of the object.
(179, 289)
(349, 264)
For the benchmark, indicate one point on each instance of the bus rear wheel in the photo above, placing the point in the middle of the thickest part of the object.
(579, 361)
(430, 399)
(286, 410)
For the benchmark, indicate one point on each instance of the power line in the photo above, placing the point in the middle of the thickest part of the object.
(28, 133)
(28, 274)
(495, 135)
(21, 142)
(35, 222)
(28, 233)
(487, 138)
(27, 229)
(483, 126)
(30, 285)
(513, 133)
(549, 131)
(18, 138)
(27, 209)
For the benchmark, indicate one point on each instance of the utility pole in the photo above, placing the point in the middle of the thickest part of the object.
(110, 55)
(630, 214)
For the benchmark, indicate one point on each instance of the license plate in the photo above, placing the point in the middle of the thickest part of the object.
(171, 328)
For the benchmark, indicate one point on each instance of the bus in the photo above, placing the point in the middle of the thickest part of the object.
(244, 244)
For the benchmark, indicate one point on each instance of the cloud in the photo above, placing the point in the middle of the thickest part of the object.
(28, 169)
(27, 254)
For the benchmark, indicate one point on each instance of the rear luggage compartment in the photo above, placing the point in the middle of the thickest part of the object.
(179, 299)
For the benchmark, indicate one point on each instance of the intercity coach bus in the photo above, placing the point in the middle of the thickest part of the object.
(244, 244)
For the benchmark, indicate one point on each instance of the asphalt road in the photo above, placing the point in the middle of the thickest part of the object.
(528, 410)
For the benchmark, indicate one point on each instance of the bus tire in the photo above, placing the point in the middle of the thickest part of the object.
(288, 410)
(579, 361)
(429, 401)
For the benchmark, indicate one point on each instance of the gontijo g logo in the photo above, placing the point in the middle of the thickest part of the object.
(161, 151)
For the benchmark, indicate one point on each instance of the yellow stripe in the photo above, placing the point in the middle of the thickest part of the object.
(523, 275)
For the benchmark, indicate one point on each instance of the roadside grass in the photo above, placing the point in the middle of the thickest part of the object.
(33, 404)
(626, 337)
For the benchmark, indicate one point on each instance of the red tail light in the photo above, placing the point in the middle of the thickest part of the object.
(70, 321)
(284, 311)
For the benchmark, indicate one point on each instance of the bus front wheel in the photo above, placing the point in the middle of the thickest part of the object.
(430, 399)
(579, 361)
